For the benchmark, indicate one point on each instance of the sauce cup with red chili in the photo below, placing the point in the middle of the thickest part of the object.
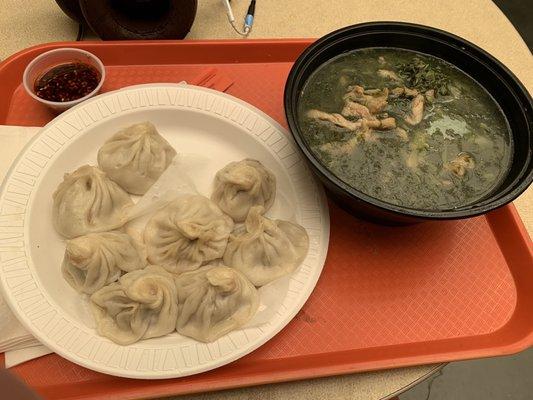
(62, 78)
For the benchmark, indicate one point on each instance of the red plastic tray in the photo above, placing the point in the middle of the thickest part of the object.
(388, 297)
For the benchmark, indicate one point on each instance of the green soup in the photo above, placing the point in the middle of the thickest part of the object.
(406, 128)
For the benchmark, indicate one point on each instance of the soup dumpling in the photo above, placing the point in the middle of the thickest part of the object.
(135, 157)
(241, 185)
(186, 234)
(214, 301)
(264, 249)
(97, 259)
(141, 305)
(88, 201)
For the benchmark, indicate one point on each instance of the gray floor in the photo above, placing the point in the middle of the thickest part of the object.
(489, 379)
(499, 378)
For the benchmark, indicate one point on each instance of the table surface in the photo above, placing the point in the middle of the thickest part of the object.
(30, 22)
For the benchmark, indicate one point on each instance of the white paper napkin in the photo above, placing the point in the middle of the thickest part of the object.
(16, 357)
(16, 341)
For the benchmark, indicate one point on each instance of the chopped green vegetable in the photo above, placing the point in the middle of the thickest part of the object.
(419, 74)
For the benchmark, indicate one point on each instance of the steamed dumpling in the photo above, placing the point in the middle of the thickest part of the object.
(186, 234)
(266, 249)
(141, 305)
(88, 201)
(135, 157)
(214, 301)
(94, 260)
(241, 185)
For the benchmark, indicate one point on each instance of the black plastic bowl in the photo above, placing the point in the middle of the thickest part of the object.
(512, 97)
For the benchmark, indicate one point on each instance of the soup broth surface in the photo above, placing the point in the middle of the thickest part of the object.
(406, 128)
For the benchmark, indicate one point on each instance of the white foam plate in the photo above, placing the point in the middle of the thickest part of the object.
(195, 121)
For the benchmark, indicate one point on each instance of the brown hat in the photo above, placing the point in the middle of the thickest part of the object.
(134, 19)
(72, 9)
